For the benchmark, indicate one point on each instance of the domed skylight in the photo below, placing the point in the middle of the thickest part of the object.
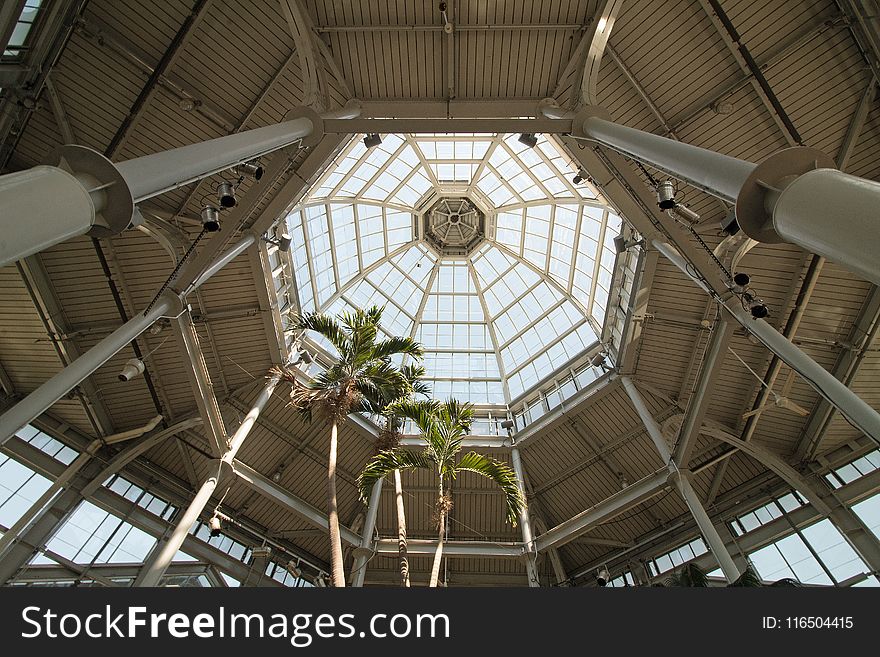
(481, 248)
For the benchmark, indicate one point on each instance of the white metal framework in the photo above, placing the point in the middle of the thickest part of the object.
(515, 297)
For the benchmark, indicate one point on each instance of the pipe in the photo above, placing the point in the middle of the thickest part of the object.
(850, 405)
(365, 551)
(524, 520)
(161, 557)
(59, 385)
(132, 433)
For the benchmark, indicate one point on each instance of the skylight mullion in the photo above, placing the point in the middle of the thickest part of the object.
(568, 184)
(311, 260)
(577, 242)
(597, 260)
(519, 298)
(357, 165)
(362, 273)
(528, 170)
(350, 200)
(504, 182)
(357, 238)
(335, 166)
(418, 151)
(479, 172)
(552, 344)
(332, 237)
(533, 323)
(382, 169)
(385, 228)
(549, 279)
(549, 238)
(491, 328)
(403, 183)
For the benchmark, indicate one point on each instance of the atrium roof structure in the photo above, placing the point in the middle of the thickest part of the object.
(499, 305)
(594, 371)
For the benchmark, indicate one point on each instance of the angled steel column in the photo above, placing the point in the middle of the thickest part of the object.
(80, 191)
(59, 385)
(524, 522)
(162, 555)
(681, 480)
(363, 552)
(842, 398)
(796, 195)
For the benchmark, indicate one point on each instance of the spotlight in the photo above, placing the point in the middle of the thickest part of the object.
(740, 282)
(252, 169)
(226, 195)
(507, 424)
(283, 242)
(294, 569)
(578, 179)
(729, 226)
(305, 357)
(619, 244)
(214, 524)
(156, 328)
(603, 576)
(598, 360)
(758, 309)
(372, 139)
(133, 367)
(528, 139)
(666, 195)
(210, 218)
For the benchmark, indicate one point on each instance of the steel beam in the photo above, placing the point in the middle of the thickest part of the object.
(425, 548)
(420, 125)
(525, 522)
(615, 505)
(268, 488)
(365, 550)
(698, 405)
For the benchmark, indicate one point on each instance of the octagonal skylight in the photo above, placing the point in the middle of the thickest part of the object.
(503, 297)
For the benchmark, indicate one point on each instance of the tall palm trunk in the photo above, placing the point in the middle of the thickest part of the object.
(337, 573)
(438, 554)
(401, 530)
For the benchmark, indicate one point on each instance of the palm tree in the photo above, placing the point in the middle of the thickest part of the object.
(443, 426)
(389, 438)
(691, 575)
(362, 372)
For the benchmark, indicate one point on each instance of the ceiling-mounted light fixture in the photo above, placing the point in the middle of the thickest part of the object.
(603, 576)
(666, 195)
(226, 194)
(214, 524)
(133, 367)
(620, 244)
(210, 218)
(252, 169)
(283, 242)
(372, 139)
(528, 139)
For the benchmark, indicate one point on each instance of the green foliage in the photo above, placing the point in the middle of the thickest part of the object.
(363, 377)
(443, 426)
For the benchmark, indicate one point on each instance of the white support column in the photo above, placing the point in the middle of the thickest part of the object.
(80, 191)
(59, 385)
(842, 398)
(681, 480)
(363, 552)
(162, 555)
(796, 195)
(524, 522)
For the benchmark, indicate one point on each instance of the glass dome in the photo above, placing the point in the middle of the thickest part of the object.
(480, 247)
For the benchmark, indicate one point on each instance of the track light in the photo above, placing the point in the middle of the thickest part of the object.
(210, 218)
(252, 169)
(507, 424)
(758, 309)
(619, 244)
(226, 195)
(372, 139)
(666, 195)
(214, 524)
(598, 360)
(740, 282)
(603, 576)
(528, 139)
(133, 367)
(283, 242)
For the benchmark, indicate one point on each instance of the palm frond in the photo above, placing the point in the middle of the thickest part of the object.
(501, 474)
(398, 345)
(748, 578)
(386, 462)
(690, 575)
(324, 325)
